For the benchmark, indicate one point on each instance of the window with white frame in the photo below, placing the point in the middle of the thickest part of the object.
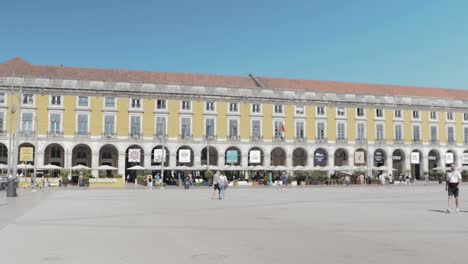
(397, 113)
(320, 111)
(56, 100)
(361, 131)
(209, 106)
(55, 123)
(27, 122)
(161, 104)
(398, 132)
(2, 98)
(300, 110)
(135, 103)
(109, 124)
(256, 108)
(233, 107)
(433, 133)
(341, 132)
(109, 102)
(320, 130)
(277, 128)
(28, 99)
(360, 112)
(433, 115)
(340, 111)
(233, 128)
(82, 123)
(379, 113)
(83, 101)
(135, 126)
(209, 127)
(256, 128)
(450, 134)
(186, 127)
(450, 116)
(300, 129)
(186, 105)
(379, 129)
(416, 133)
(415, 114)
(278, 108)
(465, 116)
(465, 133)
(2, 121)
(160, 126)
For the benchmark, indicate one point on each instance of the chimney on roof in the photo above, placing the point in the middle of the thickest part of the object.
(256, 81)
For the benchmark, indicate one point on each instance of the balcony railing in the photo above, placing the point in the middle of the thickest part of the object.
(160, 137)
(135, 135)
(321, 140)
(417, 141)
(233, 138)
(55, 133)
(27, 133)
(398, 141)
(278, 139)
(82, 134)
(451, 142)
(109, 135)
(361, 141)
(256, 138)
(434, 142)
(341, 140)
(209, 138)
(380, 141)
(300, 139)
(185, 137)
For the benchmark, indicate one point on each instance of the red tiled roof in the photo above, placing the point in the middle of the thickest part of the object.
(20, 67)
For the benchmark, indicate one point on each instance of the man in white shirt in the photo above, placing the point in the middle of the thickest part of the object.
(454, 180)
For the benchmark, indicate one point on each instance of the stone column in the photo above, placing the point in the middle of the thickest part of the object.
(122, 164)
(95, 164)
(389, 164)
(147, 160)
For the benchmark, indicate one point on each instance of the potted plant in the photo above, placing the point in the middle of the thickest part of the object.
(209, 177)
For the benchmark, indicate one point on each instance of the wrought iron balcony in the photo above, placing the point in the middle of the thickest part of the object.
(185, 137)
(160, 137)
(451, 141)
(417, 141)
(278, 139)
(55, 133)
(399, 141)
(434, 142)
(109, 135)
(82, 134)
(135, 135)
(256, 138)
(233, 138)
(361, 141)
(342, 140)
(209, 138)
(300, 139)
(27, 133)
(380, 141)
(321, 140)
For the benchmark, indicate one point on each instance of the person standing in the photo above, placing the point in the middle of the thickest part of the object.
(222, 183)
(452, 186)
(149, 181)
(215, 185)
(347, 180)
(284, 180)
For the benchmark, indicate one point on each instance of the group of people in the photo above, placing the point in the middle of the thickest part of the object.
(220, 183)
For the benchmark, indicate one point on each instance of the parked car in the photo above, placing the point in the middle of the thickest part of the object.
(3, 182)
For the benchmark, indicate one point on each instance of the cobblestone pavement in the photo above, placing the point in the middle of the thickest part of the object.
(393, 224)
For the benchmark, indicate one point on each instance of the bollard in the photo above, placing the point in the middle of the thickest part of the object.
(11, 187)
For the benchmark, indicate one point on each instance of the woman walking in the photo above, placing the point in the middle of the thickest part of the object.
(222, 183)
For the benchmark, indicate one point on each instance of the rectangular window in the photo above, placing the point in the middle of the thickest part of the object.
(83, 101)
(28, 99)
(379, 112)
(360, 112)
(415, 114)
(109, 124)
(135, 124)
(398, 132)
(449, 115)
(209, 127)
(361, 131)
(341, 134)
(465, 132)
(278, 125)
(256, 130)
(278, 108)
(300, 110)
(56, 100)
(27, 122)
(433, 115)
(186, 105)
(465, 116)
(2, 98)
(109, 102)
(233, 107)
(320, 110)
(82, 124)
(397, 113)
(233, 128)
(210, 106)
(320, 130)
(2, 121)
(256, 108)
(450, 134)
(416, 133)
(55, 123)
(340, 111)
(186, 130)
(379, 129)
(160, 126)
(300, 130)
(135, 103)
(433, 133)
(161, 104)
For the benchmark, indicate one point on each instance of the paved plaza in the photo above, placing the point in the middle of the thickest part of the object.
(393, 224)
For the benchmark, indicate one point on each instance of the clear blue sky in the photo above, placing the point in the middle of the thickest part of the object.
(407, 42)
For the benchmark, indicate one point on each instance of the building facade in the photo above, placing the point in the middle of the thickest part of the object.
(96, 117)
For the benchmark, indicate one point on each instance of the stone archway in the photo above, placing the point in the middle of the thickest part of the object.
(450, 158)
(341, 157)
(380, 158)
(398, 161)
(232, 156)
(299, 157)
(416, 164)
(134, 155)
(360, 157)
(433, 159)
(81, 154)
(109, 155)
(320, 157)
(256, 156)
(212, 157)
(54, 154)
(185, 156)
(3, 154)
(278, 157)
(157, 156)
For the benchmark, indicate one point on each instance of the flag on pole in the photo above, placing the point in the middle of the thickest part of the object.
(283, 130)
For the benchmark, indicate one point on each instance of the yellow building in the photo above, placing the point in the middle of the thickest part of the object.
(96, 117)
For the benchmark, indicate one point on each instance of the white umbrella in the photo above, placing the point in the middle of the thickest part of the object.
(3, 166)
(51, 167)
(183, 168)
(80, 167)
(281, 168)
(158, 167)
(299, 168)
(136, 167)
(259, 168)
(320, 168)
(23, 166)
(235, 168)
(437, 169)
(106, 167)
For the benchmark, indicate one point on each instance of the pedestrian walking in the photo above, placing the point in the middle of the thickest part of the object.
(149, 181)
(215, 185)
(452, 186)
(284, 180)
(426, 178)
(222, 183)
